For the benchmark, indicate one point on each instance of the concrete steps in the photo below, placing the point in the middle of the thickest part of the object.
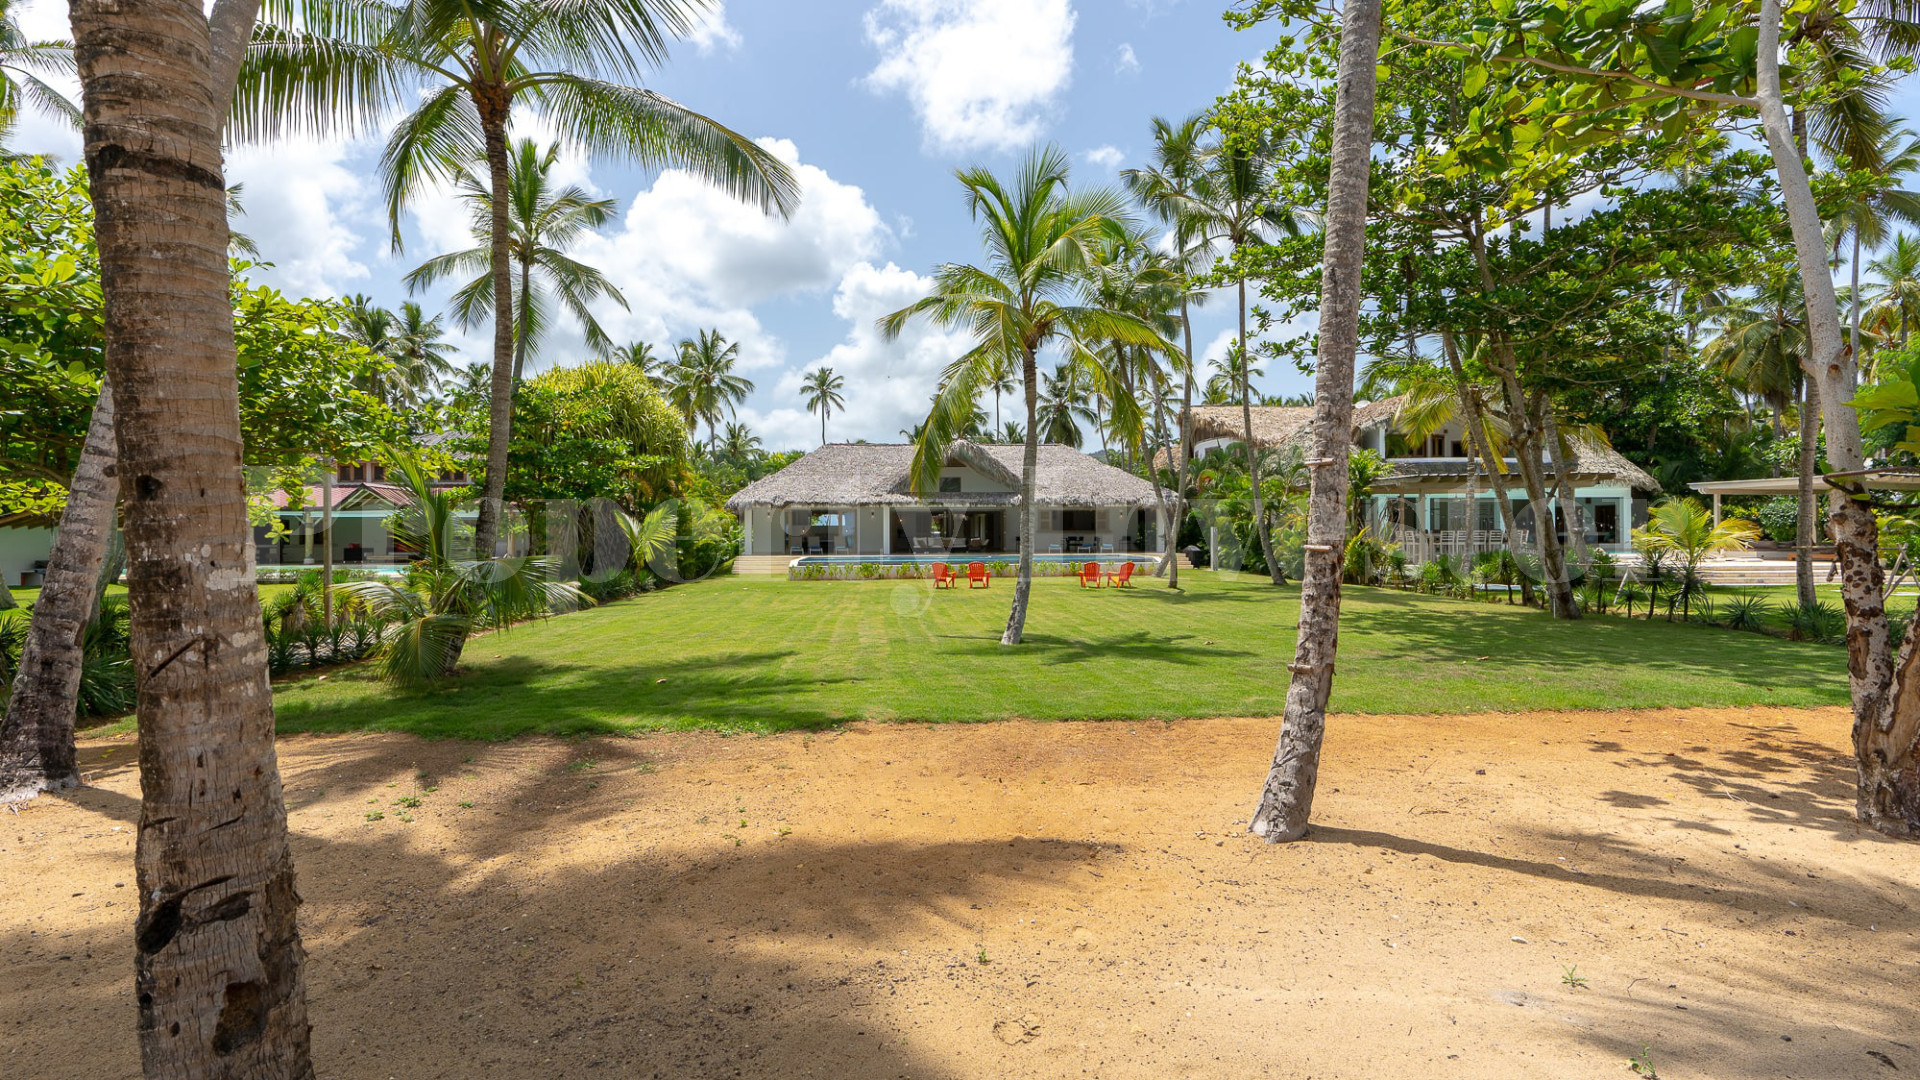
(762, 564)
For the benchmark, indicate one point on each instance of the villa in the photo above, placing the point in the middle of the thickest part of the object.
(857, 499)
(1421, 499)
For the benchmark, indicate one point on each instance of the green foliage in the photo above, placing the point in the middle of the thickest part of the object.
(1818, 621)
(1745, 612)
(298, 378)
(1778, 518)
(596, 430)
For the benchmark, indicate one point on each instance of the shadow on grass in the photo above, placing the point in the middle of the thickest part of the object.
(1403, 626)
(725, 692)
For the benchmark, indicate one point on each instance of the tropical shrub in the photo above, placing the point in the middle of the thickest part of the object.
(1745, 613)
(1818, 621)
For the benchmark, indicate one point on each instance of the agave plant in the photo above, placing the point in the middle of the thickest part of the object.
(443, 601)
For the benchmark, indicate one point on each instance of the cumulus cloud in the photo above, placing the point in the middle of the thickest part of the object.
(688, 257)
(302, 200)
(1125, 61)
(981, 74)
(712, 33)
(889, 383)
(1106, 157)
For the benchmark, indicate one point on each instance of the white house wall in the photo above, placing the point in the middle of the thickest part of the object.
(20, 549)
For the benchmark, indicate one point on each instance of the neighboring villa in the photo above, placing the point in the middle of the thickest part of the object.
(1421, 500)
(362, 502)
(857, 499)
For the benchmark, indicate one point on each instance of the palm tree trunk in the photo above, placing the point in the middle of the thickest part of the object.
(1274, 572)
(520, 336)
(1029, 514)
(493, 105)
(1853, 300)
(218, 963)
(36, 734)
(1804, 526)
(1186, 451)
(1287, 797)
(1886, 706)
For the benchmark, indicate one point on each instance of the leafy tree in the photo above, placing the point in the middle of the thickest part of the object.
(641, 355)
(596, 430)
(459, 72)
(1039, 236)
(821, 391)
(542, 224)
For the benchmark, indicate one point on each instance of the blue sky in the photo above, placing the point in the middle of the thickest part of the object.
(876, 101)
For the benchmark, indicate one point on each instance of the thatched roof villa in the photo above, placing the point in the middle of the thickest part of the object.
(858, 499)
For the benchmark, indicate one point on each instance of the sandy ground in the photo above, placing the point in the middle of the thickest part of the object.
(1039, 900)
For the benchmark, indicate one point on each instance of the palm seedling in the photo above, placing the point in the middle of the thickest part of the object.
(444, 600)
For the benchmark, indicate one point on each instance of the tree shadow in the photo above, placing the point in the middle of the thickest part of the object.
(744, 691)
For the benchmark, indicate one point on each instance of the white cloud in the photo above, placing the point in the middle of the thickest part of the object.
(712, 33)
(688, 257)
(1106, 157)
(1126, 62)
(302, 205)
(888, 383)
(981, 74)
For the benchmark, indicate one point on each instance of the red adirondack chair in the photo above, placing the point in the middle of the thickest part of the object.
(942, 577)
(977, 575)
(1124, 578)
(1090, 576)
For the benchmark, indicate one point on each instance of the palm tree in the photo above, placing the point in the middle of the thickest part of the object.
(1894, 308)
(1004, 379)
(457, 70)
(443, 600)
(1010, 433)
(1039, 236)
(821, 390)
(541, 224)
(1063, 404)
(24, 68)
(1763, 345)
(1166, 187)
(702, 384)
(1683, 527)
(1231, 377)
(641, 354)
(1286, 798)
(422, 357)
(1227, 204)
(214, 875)
(739, 444)
(1866, 220)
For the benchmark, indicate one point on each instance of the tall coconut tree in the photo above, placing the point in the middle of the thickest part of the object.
(1063, 405)
(1893, 304)
(702, 384)
(219, 974)
(1039, 236)
(543, 223)
(820, 389)
(1286, 799)
(1864, 224)
(1165, 186)
(459, 73)
(642, 355)
(1762, 345)
(1227, 207)
(420, 352)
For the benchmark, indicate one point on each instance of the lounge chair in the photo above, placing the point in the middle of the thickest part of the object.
(977, 575)
(942, 577)
(1053, 549)
(1124, 578)
(1090, 576)
(1106, 548)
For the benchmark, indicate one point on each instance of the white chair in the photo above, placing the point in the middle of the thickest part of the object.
(1106, 548)
(1053, 549)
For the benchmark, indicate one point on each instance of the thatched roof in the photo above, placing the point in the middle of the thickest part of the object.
(1283, 426)
(1277, 425)
(869, 474)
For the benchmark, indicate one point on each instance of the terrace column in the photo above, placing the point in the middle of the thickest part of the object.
(886, 530)
(1624, 534)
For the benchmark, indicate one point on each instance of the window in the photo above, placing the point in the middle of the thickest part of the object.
(949, 485)
(348, 474)
(1076, 521)
(1458, 450)
(379, 472)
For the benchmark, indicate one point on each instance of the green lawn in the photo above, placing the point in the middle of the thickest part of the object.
(761, 654)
